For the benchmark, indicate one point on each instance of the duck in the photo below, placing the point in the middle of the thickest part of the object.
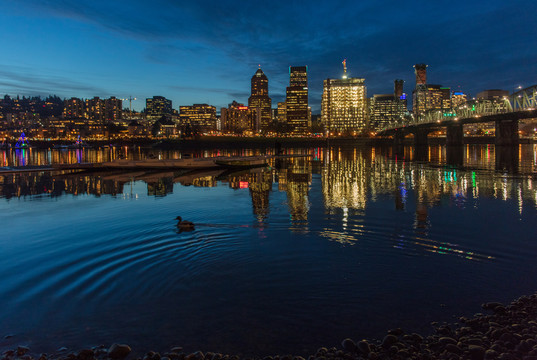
(184, 225)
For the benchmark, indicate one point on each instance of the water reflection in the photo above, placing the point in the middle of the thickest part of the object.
(301, 235)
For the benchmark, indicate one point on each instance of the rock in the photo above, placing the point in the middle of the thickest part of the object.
(8, 336)
(447, 340)
(177, 349)
(389, 340)
(85, 354)
(119, 351)
(363, 347)
(349, 345)
(491, 305)
(452, 348)
(396, 332)
(490, 354)
(476, 352)
(21, 350)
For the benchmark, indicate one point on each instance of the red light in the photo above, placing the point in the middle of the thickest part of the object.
(243, 184)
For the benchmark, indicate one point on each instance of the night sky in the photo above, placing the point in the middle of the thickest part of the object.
(207, 51)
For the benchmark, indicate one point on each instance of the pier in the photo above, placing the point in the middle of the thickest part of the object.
(222, 162)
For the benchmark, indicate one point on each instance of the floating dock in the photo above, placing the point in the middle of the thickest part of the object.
(153, 164)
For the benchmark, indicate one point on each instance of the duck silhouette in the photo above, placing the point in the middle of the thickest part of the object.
(184, 225)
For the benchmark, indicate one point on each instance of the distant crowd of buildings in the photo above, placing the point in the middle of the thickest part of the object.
(345, 111)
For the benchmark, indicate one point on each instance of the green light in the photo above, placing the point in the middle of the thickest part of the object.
(473, 178)
(473, 107)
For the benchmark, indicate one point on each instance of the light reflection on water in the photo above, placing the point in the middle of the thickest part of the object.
(306, 252)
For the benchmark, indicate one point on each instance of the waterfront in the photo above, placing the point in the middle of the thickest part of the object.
(347, 242)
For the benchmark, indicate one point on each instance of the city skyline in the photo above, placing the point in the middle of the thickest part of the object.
(207, 53)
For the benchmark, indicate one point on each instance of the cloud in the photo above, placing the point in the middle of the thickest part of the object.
(464, 43)
(25, 81)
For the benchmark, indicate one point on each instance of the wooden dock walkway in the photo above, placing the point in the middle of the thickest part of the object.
(154, 164)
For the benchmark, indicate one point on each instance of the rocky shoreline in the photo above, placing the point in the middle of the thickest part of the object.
(508, 332)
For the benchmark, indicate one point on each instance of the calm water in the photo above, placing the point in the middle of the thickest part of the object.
(344, 243)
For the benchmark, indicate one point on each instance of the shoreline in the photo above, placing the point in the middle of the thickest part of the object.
(256, 142)
(508, 332)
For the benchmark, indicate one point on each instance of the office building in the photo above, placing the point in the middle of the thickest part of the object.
(198, 116)
(237, 118)
(157, 106)
(426, 96)
(344, 106)
(385, 110)
(297, 99)
(260, 101)
(282, 112)
(458, 98)
(493, 94)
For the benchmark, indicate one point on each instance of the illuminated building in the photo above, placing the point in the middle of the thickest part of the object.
(297, 99)
(113, 109)
(157, 106)
(493, 94)
(95, 109)
(200, 116)
(344, 105)
(398, 88)
(427, 96)
(237, 118)
(458, 98)
(259, 99)
(386, 109)
(282, 112)
(73, 108)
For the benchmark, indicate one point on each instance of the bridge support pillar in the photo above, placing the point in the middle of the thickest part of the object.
(420, 137)
(507, 159)
(507, 132)
(454, 135)
(455, 155)
(398, 138)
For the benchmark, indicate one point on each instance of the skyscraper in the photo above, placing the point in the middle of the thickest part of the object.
(297, 99)
(259, 99)
(427, 96)
(344, 105)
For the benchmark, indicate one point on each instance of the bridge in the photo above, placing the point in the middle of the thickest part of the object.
(505, 113)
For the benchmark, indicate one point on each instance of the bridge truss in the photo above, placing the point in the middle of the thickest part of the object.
(522, 100)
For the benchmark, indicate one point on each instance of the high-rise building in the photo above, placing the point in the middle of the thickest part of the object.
(420, 70)
(95, 109)
(113, 109)
(73, 108)
(344, 105)
(398, 88)
(458, 98)
(426, 96)
(199, 116)
(157, 106)
(282, 112)
(260, 101)
(385, 110)
(297, 99)
(237, 118)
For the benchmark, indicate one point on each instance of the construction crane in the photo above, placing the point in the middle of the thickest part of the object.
(130, 98)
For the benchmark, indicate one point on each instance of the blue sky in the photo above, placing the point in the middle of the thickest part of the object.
(207, 51)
